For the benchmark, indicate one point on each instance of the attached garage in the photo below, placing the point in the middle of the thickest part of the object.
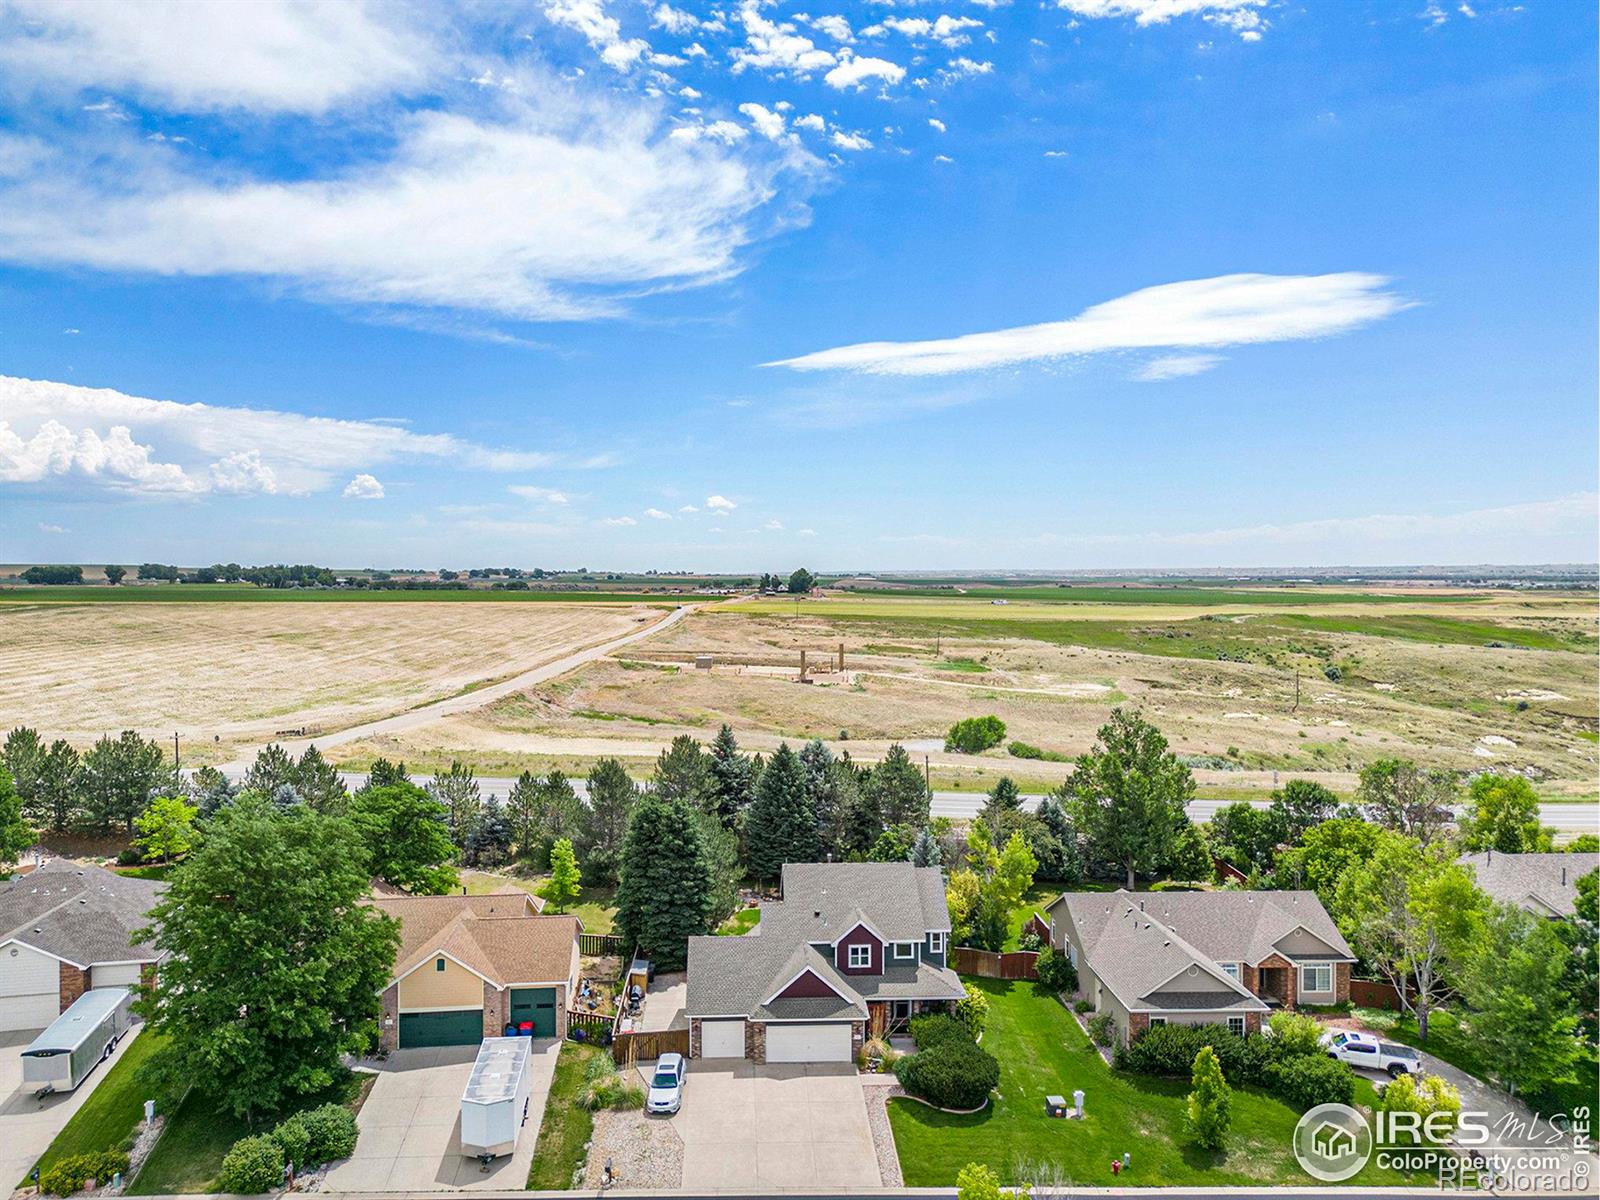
(805, 1043)
(30, 988)
(536, 1005)
(116, 975)
(722, 1039)
(451, 1027)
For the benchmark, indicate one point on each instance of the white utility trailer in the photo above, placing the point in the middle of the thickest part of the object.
(61, 1057)
(495, 1104)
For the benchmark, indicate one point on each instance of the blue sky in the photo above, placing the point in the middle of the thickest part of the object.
(1086, 283)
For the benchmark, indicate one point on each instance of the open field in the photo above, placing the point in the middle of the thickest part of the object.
(245, 593)
(227, 674)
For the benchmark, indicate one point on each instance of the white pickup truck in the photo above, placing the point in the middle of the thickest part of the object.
(1366, 1050)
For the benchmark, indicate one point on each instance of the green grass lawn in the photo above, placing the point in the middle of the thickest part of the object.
(1448, 1043)
(563, 1143)
(199, 1135)
(1043, 1051)
(741, 922)
(1033, 901)
(112, 1110)
(595, 907)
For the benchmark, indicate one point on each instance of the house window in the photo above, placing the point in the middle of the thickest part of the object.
(1231, 970)
(1236, 1025)
(1154, 1021)
(905, 949)
(860, 956)
(1317, 978)
(438, 964)
(936, 941)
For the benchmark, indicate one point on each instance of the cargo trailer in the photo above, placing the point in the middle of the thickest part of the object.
(495, 1104)
(60, 1058)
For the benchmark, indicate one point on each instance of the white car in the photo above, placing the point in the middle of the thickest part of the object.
(1365, 1050)
(666, 1085)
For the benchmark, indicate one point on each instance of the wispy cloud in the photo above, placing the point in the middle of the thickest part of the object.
(655, 514)
(1242, 17)
(1176, 366)
(543, 495)
(1229, 310)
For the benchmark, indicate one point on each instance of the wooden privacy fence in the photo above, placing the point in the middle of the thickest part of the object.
(596, 1025)
(599, 945)
(629, 1048)
(1374, 993)
(988, 964)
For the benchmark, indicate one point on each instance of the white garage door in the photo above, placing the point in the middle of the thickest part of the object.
(115, 975)
(721, 1039)
(808, 1043)
(30, 988)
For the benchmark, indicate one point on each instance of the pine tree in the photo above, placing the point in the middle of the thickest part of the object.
(1004, 802)
(560, 810)
(663, 898)
(118, 778)
(733, 777)
(488, 838)
(611, 799)
(900, 789)
(780, 827)
(23, 756)
(56, 801)
(1208, 1110)
(458, 791)
(210, 789)
(925, 850)
(833, 803)
(684, 773)
(319, 783)
(562, 889)
(522, 812)
(386, 774)
(272, 769)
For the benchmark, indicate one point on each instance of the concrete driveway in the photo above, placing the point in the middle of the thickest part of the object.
(31, 1125)
(774, 1128)
(411, 1126)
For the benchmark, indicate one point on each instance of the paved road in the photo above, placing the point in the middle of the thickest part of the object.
(429, 713)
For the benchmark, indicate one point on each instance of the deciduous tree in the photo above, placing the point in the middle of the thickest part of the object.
(1301, 804)
(406, 834)
(1208, 1111)
(1398, 795)
(562, 889)
(16, 835)
(165, 828)
(1503, 814)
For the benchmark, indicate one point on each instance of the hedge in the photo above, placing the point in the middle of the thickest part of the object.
(1307, 1080)
(933, 1029)
(955, 1073)
(1169, 1050)
(68, 1175)
(1056, 972)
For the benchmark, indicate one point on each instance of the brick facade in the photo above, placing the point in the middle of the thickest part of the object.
(1252, 1022)
(496, 1009)
(755, 1041)
(73, 983)
(1341, 983)
(1138, 1023)
(389, 1023)
(1289, 975)
(694, 1037)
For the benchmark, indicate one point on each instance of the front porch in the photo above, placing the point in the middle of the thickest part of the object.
(885, 1018)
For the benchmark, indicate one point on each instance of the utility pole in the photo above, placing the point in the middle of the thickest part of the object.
(177, 766)
(1296, 707)
(927, 775)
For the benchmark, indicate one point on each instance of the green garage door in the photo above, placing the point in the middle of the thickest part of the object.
(537, 1005)
(462, 1027)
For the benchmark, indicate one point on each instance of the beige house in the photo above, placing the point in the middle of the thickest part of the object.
(469, 966)
(1200, 958)
(1546, 884)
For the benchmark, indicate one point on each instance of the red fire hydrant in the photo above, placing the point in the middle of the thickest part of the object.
(1116, 1166)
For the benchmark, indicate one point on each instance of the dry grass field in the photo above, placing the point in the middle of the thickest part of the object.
(231, 674)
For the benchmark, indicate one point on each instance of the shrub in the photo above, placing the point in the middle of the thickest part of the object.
(972, 1011)
(1208, 1110)
(1056, 972)
(1030, 939)
(606, 1088)
(977, 1182)
(931, 1029)
(1307, 1080)
(70, 1174)
(1024, 750)
(880, 1049)
(254, 1164)
(331, 1130)
(1431, 1098)
(294, 1139)
(1169, 1050)
(1085, 1005)
(1295, 1034)
(131, 856)
(1103, 1030)
(955, 1073)
(974, 735)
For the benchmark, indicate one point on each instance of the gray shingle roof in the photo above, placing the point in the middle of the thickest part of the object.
(83, 914)
(1202, 1002)
(734, 976)
(1544, 883)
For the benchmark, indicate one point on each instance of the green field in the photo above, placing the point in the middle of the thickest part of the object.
(1153, 594)
(186, 593)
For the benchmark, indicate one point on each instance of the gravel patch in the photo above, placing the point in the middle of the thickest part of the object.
(877, 1096)
(646, 1154)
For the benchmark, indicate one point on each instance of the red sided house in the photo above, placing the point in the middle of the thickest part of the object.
(851, 950)
(1200, 958)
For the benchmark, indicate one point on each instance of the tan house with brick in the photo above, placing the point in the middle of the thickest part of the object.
(65, 928)
(1200, 958)
(469, 966)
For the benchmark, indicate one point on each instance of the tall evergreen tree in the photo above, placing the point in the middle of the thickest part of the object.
(733, 777)
(23, 756)
(560, 811)
(319, 783)
(522, 812)
(925, 850)
(611, 799)
(488, 839)
(118, 778)
(901, 790)
(386, 774)
(210, 789)
(684, 773)
(834, 798)
(780, 827)
(663, 898)
(271, 770)
(56, 798)
(1004, 801)
(458, 791)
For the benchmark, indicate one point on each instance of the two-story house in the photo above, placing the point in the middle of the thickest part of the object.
(1200, 958)
(851, 950)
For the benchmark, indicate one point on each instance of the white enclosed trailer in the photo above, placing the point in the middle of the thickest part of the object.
(495, 1104)
(60, 1057)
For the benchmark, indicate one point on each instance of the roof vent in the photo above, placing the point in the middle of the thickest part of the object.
(817, 912)
(1563, 876)
(1141, 906)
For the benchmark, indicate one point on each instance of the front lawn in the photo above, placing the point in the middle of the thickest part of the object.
(113, 1108)
(1448, 1043)
(564, 1135)
(1043, 1051)
(199, 1135)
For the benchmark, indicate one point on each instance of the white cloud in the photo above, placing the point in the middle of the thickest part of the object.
(812, 122)
(938, 124)
(835, 27)
(1229, 310)
(655, 514)
(1239, 16)
(946, 30)
(726, 133)
(856, 71)
(601, 31)
(588, 205)
(1175, 366)
(1055, 154)
(296, 56)
(689, 508)
(673, 20)
(775, 46)
(720, 504)
(773, 526)
(54, 430)
(543, 495)
(363, 487)
(619, 521)
(850, 141)
(47, 527)
(768, 124)
(943, 158)
(806, 532)
(962, 67)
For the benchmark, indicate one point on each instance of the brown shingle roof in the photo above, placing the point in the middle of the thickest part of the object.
(499, 937)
